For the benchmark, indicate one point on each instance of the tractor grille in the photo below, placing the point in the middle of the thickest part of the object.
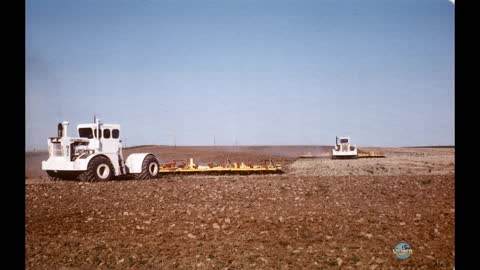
(56, 150)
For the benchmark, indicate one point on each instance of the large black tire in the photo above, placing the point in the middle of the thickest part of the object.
(54, 176)
(149, 168)
(62, 175)
(99, 169)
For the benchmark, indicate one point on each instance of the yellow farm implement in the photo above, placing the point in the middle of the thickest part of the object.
(184, 167)
(363, 154)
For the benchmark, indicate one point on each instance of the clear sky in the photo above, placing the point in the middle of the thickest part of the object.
(250, 72)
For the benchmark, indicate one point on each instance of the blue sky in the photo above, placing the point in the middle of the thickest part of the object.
(250, 72)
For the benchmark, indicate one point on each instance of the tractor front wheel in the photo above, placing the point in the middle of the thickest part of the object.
(54, 176)
(99, 169)
(62, 175)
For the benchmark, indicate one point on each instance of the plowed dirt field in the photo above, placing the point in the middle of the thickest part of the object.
(320, 214)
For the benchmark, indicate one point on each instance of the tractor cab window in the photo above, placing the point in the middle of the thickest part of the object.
(95, 133)
(115, 133)
(106, 133)
(85, 133)
(343, 140)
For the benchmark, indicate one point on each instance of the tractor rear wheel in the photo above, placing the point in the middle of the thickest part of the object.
(99, 169)
(149, 168)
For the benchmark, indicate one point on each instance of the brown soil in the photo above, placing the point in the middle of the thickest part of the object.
(304, 219)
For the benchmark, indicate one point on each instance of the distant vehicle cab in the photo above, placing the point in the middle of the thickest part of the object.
(344, 149)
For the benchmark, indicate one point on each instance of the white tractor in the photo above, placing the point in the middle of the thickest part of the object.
(343, 149)
(95, 155)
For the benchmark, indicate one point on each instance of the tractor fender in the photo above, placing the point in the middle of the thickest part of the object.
(90, 157)
(134, 162)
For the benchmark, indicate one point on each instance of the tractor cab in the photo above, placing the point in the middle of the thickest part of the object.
(343, 144)
(101, 137)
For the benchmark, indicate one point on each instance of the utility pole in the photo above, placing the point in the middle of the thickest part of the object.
(214, 140)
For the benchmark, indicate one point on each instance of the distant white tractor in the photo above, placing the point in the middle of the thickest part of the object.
(95, 155)
(343, 149)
